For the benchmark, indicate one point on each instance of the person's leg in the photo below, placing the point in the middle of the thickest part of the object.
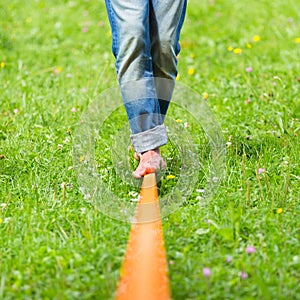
(166, 20)
(131, 46)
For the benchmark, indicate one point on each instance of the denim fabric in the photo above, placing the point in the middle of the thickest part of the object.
(145, 42)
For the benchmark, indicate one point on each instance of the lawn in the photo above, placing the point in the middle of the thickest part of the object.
(241, 241)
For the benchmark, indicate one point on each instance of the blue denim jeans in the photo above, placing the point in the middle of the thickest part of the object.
(145, 42)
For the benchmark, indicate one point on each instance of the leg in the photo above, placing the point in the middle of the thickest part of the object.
(131, 46)
(166, 20)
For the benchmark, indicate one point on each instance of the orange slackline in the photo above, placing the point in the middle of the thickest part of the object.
(144, 273)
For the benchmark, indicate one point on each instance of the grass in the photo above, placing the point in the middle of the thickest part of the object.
(55, 59)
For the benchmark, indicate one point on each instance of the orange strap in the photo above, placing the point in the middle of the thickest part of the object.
(144, 274)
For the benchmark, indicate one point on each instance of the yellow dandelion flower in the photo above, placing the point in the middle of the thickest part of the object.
(237, 51)
(171, 176)
(256, 38)
(58, 70)
(279, 210)
(2, 64)
(191, 71)
(0, 220)
(230, 48)
(178, 121)
(178, 76)
(249, 45)
(297, 40)
(192, 55)
(205, 95)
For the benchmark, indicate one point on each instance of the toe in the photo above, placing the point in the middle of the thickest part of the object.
(136, 174)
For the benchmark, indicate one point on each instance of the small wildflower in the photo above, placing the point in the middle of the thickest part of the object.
(228, 259)
(260, 171)
(205, 95)
(230, 48)
(237, 51)
(279, 210)
(57, 70)
(60, 146)
(297, 40)
(137, 199)
(83, 90)
(192, 55)
(63, 185)
(170, 176)
(101, 24)
(215, 179)
(191, 71)
(83, 210)
(178, 121)
(84, 29)
(256, 38)
(87, 196)
(250, 249)
(249, 69)
(81, 159)
(178, 76)
(2, 64)
(206, 272)
(16, 110)
(3, 206)
(73, 110)
(228, 144)
(69, 75)
(248, 45)
(186, 124)
(0, 220)
(243, 275)
(69, 131)
(247, 101)
(133, 194)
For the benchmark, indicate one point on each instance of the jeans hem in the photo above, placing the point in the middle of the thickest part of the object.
(150, 139)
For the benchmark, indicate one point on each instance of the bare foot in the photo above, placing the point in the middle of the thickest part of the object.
(150, 161)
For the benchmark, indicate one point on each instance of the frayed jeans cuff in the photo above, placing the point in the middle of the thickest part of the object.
(150, 139)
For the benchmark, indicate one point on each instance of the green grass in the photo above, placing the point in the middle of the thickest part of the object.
(56, 245)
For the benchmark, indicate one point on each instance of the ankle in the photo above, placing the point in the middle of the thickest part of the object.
(156, 150)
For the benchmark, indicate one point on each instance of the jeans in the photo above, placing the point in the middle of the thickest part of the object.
(145, 43)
